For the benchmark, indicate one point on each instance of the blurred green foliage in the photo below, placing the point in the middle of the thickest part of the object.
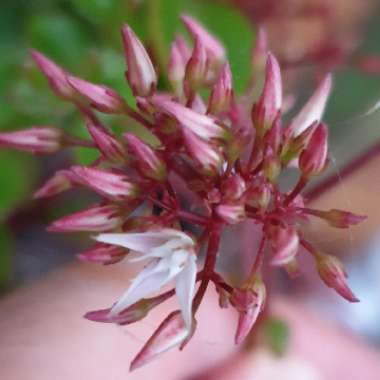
(84, 37)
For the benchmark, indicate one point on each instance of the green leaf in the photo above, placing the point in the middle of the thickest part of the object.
(276, 333)
(17, 176)
(5, 256)
(58, 36)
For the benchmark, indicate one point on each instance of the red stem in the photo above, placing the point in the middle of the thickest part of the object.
(258, 259)
(298, 188)
(212, 251)
(334, 179)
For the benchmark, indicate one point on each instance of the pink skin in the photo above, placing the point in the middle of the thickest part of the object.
(44, 338)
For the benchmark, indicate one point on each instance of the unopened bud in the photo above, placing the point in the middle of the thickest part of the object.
(107, 143)
(203, 126)
(60, 182)
(231, 213)
(293, 146)
(103, 254)
(260, 52)
(112, 185)
(284, 243)
(93, 219)
(38, 140)
(131, 314)
(150, 163)
(179, 56)
(338, 218)
(56, 75)
(208, 157)
(141, 75)
(215, 50)
(313, 110)
(222, 92)
(273, 138)
(259, 196)
(271, 167)
(102, 98)
(249, 302)
(313, 158)
(171, 333)
(196, 68)
(333, 274)
(269, 105)
(233, 187)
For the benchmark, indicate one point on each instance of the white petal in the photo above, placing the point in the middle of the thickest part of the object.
(162, 251)
(314, 108)
(185, 285)
(150, 280)
(143, 241)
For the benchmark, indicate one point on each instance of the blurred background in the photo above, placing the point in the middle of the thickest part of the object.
(310, 37)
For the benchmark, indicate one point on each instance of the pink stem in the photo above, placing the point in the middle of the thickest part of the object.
(212, 251)
(334, 179)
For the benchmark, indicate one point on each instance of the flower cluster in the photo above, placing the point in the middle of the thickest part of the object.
(222, 153)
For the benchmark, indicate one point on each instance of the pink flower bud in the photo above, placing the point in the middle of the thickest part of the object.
(203, 126)
(260, 52)
(271, 167)
(233, 187)
(293, 268)
(102, 98)
(313, 158)
(60, 182)
(273, 138)
(171, 333)
(338, 218)
(150, 163)
(231, 213)
(56, 75)
(103, 254)
(214, 48)
(259, 196)
(196, 68)
(131, 314)
(333, 274)
(198, 105)
(141, 75)
(293, 146)
(269, 105)
(313, 110)
(107, 183)
(222, 92)
(107, 143)
(249, 302)
(43, 140)
(208, 157)
(93, 219)
(284, 243)
(177, 65)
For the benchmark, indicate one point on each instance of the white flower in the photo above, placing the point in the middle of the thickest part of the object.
(172, 258)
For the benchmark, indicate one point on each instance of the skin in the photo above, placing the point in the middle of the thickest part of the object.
(44, 337)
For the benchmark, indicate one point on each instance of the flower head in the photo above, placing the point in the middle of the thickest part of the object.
(212, 159)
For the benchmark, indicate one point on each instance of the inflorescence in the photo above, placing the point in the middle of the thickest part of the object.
(228, 155)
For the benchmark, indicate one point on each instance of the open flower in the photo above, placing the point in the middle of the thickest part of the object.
(172, 258)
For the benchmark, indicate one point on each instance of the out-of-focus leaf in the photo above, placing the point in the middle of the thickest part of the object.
(59, 36)
(5, 256)
(17, 176)
(276, 334)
